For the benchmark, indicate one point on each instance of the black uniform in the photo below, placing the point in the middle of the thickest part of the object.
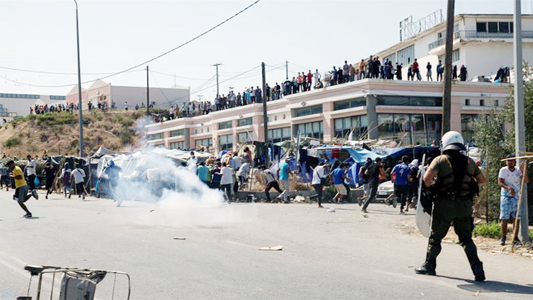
(455, 190)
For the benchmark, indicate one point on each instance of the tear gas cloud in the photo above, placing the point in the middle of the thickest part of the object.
(179, 197)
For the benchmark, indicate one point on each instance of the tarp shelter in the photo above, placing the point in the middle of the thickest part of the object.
(101, 152)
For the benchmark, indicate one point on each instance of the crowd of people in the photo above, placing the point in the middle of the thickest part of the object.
(306, 81)
(24, 178)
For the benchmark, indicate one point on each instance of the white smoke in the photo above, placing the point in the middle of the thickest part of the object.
(178, 196)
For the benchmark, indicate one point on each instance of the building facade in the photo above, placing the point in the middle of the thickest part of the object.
(106, 93)
(482, 42)
(409, 112)
(12, 104)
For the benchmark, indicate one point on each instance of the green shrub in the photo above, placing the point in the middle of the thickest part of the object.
(125, 136)
(12, 141)
(492, 230)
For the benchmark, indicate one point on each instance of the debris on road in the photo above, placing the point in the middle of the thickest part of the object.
(152, 210)
(179, 238)
(365, 215)
(331, 209)
(299, 199)
(273, 248)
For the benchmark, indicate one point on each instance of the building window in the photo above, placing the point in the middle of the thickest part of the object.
(177, 145)
(504, 27)
(406, 55)
(409, 101)
(496, 103)
(494, 27)
(244, 137)
(456, 55)
(279, 134)
(180, 132)
(311, 129)
(244, 122)
(481, 102)
(409, 128)
(26, 96)
(468, 126)
(467, 102)
(306, 111)
(207, 142)
(344, 126)
(481, 27)
(349, 104)
(225, 142)
(156, 136)
(225, 125)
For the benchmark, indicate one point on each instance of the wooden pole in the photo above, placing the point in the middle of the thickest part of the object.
(518, 210)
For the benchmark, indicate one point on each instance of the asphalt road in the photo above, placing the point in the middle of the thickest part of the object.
(340, 255)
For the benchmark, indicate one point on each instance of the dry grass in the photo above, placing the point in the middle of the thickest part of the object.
(58, 133)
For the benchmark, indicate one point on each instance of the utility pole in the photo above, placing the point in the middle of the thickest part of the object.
(80, 102)
(447, 97)
(147, 91)
(286, 70)
(265, 117)
(216, 65)
(519, 123)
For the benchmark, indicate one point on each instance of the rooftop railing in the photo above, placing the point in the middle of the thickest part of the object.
(473, 34)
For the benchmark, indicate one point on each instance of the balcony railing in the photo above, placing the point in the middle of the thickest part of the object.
(473, 34)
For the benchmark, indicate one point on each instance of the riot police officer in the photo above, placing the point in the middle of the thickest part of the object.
(455, 178)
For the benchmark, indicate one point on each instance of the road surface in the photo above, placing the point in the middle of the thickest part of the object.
(339, 255)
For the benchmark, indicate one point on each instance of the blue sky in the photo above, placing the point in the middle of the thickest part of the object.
(116, 35)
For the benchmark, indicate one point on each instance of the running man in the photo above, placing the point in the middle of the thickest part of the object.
(21, 188)
(78, 176)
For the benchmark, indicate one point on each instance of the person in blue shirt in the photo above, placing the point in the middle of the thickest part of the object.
(203, 173)
(400, 173)
(338, 179)
(284, 171)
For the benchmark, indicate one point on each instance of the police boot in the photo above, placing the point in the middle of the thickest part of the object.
(477, 269)
(426, 269)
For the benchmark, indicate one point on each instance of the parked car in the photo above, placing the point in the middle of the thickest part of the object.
(385, 189)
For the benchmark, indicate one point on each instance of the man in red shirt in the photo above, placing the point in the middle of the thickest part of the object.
(309, 80)
(416, 70)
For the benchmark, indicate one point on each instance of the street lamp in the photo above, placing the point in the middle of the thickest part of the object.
(80, 104)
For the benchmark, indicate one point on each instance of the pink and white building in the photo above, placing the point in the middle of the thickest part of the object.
(407, 111)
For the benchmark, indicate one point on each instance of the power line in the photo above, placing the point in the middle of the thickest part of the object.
(58, 73)
(182, 77)
(208, 87)
(187, 42)
(150, 60)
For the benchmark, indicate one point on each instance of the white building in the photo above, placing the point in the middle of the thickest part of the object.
(102, 92)
(483, 43)
(12, 104)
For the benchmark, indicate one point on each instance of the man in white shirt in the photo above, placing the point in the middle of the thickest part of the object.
(272, 183)
(30, 171)
(226, 180)
(78, 176)
(509, 179)
(242, 173)
(236, 162)
(318, 176)
(317, 76)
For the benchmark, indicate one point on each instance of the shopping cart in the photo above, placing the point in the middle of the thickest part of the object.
(76, 284)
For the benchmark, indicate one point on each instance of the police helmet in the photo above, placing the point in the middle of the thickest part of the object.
(452, 140)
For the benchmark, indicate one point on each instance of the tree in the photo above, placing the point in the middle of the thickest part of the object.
(490, 138)
(509, 116)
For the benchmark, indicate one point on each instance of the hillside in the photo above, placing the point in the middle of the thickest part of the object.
(58, 133)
